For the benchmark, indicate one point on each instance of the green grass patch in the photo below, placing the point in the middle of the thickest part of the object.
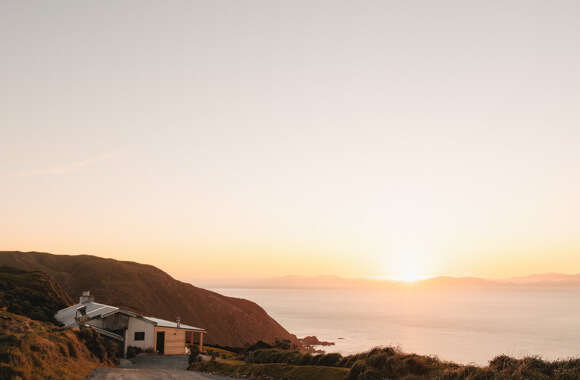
(220, 351)
(276, 371)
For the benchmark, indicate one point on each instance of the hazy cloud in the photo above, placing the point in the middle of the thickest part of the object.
(66, 168)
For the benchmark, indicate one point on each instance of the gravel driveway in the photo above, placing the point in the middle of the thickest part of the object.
(151, 367)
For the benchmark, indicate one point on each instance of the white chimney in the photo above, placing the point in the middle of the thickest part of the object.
(178, 323)
(86, 297)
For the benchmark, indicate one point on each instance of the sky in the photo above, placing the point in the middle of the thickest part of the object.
(268, 138)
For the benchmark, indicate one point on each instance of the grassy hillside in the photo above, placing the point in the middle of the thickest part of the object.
(151, 292)
(32, 349)
(35, 295)
(32, 346)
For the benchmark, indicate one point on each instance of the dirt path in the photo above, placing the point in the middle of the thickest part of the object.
(151, 367)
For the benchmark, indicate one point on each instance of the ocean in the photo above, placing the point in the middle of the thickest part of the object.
(464, 326)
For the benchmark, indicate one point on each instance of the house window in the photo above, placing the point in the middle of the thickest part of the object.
(139, 336)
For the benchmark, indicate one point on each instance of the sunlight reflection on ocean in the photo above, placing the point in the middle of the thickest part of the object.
(458, 325)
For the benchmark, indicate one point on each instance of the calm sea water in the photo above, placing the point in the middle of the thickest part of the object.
(463, 326)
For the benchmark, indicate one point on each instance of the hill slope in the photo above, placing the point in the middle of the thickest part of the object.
(149, 291)
(34, 295)
(40, 350)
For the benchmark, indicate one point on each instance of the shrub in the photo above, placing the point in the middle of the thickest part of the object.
(534, 366)
(378, 360)
(259, 345)
(193, 354)
(415, 364)
(329, 360)
(284, 344)
(305, 359)
(502, 362)
(357, 369)
(104, 349)
(131, 353)
(314, 359)
(350, 360)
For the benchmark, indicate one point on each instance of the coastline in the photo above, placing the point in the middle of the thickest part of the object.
(474, 327)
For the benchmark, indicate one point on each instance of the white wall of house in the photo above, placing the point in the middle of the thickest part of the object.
(137, 325)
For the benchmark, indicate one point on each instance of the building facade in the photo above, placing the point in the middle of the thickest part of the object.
(131, 330)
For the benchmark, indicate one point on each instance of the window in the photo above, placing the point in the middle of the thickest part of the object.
(139, 336)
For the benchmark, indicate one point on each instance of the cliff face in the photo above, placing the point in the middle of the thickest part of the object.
(149, 291)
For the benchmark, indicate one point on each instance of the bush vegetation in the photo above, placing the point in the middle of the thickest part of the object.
(392, 363)
(103, 348)
(193, 354)
(32, 345)
(35, 295)
(32, 349)
(295, 357)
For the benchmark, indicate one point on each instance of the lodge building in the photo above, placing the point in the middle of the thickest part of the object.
(130, 329)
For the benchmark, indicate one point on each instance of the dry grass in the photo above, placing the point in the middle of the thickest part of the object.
(276, 371)
(391, 363)
(36, 350)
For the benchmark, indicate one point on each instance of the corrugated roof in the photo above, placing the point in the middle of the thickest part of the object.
(94, 309)
(164, 323)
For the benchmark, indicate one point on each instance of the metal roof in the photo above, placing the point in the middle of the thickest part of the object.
(164, 323)
(67, 316)
(95, 310)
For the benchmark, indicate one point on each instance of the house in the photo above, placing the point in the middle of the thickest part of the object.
(130, 329)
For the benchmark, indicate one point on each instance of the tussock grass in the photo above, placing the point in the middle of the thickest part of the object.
(37, 350)
(390, 363)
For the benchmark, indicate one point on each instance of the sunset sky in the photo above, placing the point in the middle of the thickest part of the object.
(267, 138)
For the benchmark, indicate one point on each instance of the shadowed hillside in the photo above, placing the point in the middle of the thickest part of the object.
(149, 291)
(35, 295)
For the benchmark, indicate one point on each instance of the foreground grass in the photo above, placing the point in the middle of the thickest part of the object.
(389, 363)
(32, 349)
(276, 371)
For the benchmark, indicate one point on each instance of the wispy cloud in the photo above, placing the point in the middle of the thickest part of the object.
(66, 168)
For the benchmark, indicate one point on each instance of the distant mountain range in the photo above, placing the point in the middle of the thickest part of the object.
(546, 277)
(149, 291)
(335, 282)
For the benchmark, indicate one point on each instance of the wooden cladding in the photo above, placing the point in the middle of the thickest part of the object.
(174, 340)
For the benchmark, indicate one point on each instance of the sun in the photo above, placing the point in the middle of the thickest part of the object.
(410, 277)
